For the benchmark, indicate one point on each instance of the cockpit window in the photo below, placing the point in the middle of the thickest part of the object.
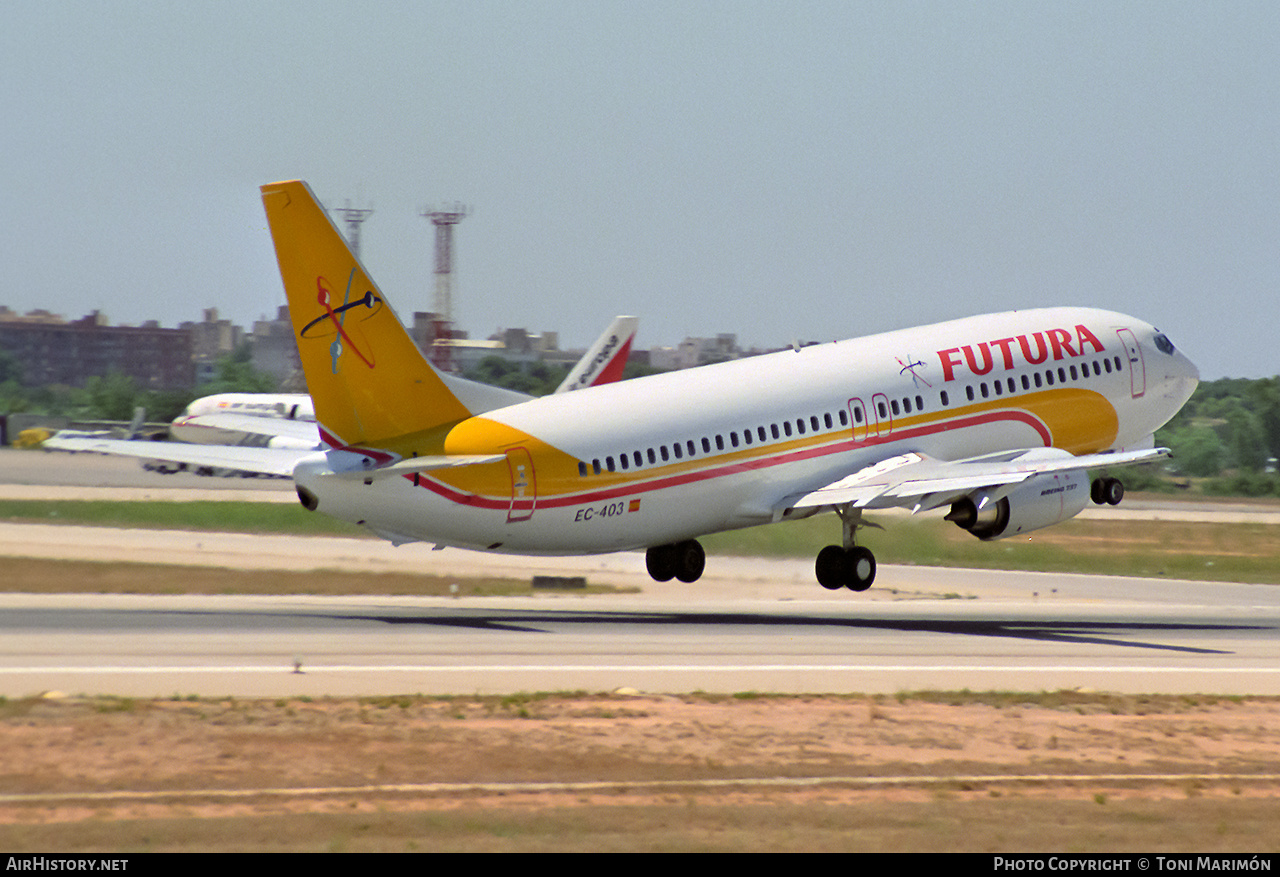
(1163, 344)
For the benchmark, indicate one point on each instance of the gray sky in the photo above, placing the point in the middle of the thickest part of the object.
(776, 169)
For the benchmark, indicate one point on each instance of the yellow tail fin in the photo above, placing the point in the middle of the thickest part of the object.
(368, 380)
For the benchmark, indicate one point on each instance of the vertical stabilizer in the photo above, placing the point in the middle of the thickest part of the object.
(605, 359)
(369, 381)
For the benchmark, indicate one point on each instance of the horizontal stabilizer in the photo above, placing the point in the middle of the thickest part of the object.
(264, 461)
(189, 428)
(417, 464)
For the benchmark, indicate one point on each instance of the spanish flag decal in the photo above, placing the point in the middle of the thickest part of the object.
(634, 506)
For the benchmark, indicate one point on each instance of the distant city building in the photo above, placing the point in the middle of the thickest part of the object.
(211, 339)
(692, 352)
(52, 351)
(274, 351)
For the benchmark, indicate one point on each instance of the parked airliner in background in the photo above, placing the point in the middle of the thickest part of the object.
(995, 418)
(288, 420)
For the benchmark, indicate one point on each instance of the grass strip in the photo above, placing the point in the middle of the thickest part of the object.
(1247, 553)
(35, 576)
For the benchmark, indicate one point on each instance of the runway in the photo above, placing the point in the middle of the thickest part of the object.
(749, 625)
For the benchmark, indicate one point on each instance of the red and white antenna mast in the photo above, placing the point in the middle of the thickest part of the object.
(444, 220)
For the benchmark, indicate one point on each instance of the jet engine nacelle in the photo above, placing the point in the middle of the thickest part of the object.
(1039, 502)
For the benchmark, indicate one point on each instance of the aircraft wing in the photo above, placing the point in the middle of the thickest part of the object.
(921, 482)
(266, 461)
(605, 359)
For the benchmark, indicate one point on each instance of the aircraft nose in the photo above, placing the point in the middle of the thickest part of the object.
(1183, 377)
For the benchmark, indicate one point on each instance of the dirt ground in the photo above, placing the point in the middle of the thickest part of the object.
(208, 760)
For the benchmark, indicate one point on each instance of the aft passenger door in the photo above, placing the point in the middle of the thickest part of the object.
(524, 485)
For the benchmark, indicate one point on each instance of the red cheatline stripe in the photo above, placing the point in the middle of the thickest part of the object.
(720, 471)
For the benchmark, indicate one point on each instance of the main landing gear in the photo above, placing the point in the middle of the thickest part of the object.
(849, 565)
(683, 560)
(1106, 491)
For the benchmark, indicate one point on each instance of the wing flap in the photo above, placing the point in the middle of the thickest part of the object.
(905, 479)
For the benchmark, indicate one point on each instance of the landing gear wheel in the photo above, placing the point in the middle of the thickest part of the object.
(684, 561)
(1106, 491)
(691, 560)
(831, 567)
(837, 568)
(862, 568)
(660, 560)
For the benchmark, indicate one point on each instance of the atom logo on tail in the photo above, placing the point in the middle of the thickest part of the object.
(371, 303)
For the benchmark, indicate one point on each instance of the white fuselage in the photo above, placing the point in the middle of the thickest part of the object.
(678, 455)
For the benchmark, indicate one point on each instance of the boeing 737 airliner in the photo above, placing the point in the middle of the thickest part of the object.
(996, 418)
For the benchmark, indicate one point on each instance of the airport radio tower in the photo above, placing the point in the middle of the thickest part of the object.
(353, 216)
(444, 220)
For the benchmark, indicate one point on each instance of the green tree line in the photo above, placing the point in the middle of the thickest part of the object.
(1226, 439)
(115, 396)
